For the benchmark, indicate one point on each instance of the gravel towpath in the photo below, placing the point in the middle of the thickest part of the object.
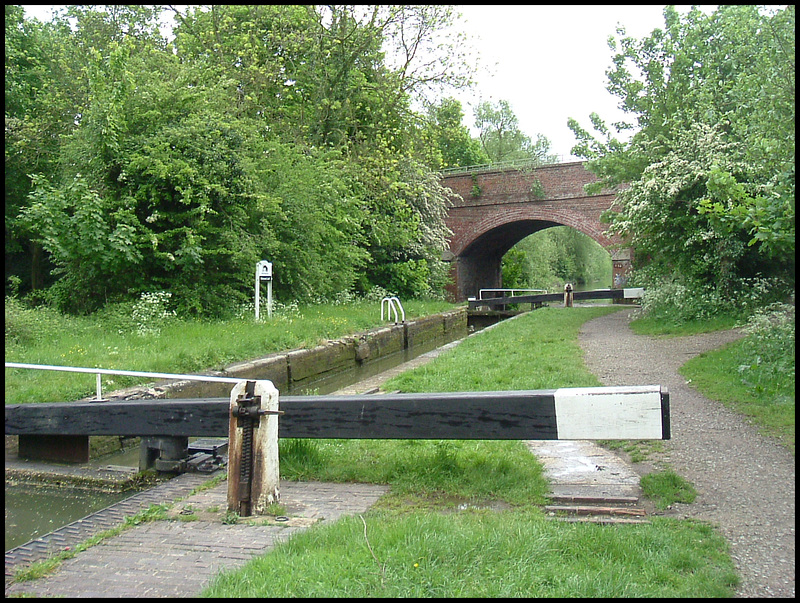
(745, 481)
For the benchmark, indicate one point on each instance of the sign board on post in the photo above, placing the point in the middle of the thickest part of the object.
(264, 273)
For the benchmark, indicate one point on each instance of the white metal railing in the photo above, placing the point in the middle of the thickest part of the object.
(392, 304)
(512, 291)
(99, 371)
(512, 163)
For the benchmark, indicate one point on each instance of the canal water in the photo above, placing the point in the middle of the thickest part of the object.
(32, 511)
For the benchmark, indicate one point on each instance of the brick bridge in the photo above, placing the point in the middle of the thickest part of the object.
(498, 208)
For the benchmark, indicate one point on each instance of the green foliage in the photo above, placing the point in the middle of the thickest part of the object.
(461, 469)
(551, 257)
(769, 350)
(501, 138)
(486, 554)
(90, 246)
(150, 313)
(711, 169)
(756, 374)
(405, 230)
(263, 131)
(666, 488)
(452, 138)
(679, 300)
(145, 335)
(25, 326)
(534, 351)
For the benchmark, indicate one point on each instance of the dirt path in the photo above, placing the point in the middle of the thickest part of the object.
(745, 481)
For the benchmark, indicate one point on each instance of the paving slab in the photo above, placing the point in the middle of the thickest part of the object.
(583, 470)
(179, 557)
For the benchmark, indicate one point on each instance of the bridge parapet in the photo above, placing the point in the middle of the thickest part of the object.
(495, 208)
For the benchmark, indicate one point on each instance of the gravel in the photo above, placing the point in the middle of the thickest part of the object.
(745, 481)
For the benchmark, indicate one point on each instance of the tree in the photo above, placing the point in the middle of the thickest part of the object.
(43, 99)
(451, 137)
(277, 132)
(711, 167)
(501, 138)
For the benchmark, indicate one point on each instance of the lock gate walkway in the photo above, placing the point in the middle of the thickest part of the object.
(177, 558)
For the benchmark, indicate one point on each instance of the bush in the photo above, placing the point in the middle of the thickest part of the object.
(681, 300)
(150, 313)
(769, 351)
(26, 325)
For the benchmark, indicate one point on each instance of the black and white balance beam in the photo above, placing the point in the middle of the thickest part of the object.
(591, 413)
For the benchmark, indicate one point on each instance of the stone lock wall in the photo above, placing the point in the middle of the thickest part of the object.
(297, 368)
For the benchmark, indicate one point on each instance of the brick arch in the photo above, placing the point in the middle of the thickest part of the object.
(495, 209)
(532, 216)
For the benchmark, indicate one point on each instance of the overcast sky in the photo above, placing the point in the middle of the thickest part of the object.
(548, 62)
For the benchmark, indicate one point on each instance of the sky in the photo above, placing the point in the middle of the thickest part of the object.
(548, 62)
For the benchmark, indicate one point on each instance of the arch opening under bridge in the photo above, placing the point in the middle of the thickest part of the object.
(494, 210)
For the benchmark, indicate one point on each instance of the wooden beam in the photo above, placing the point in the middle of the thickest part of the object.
(549, 297)
(568, 413)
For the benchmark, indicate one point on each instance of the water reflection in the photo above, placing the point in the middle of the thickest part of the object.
(33, 511)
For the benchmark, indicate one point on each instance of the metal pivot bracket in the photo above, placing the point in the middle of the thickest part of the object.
(253, 475)
(248, 413)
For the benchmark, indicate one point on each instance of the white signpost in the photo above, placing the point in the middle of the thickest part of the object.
(264, 273)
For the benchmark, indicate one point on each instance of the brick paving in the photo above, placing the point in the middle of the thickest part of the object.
(178, 558)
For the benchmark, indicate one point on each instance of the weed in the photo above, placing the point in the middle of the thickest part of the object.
(230, 518)
(666, 488)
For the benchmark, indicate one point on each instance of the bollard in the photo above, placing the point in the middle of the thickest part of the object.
(253, 471)
(568, 295)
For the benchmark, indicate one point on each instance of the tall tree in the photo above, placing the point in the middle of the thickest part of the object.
(276, 132)
(501, 138)
(451, 138)
(711, 167)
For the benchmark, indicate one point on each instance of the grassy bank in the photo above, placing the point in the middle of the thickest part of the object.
(486, 554)
(461, 519)
(144, 339)
(754, 376)
(719, 375)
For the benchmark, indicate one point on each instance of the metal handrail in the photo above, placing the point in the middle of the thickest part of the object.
(99, 371)
(513, 163)
(390, 303)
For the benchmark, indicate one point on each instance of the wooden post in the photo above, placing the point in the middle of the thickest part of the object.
(253, 475)
(568, 295)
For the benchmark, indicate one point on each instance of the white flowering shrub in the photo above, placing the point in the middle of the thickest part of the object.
(150, 312)
(681, 301)
(769, 348)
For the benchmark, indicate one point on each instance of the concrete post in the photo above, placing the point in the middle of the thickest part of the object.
(253, 475)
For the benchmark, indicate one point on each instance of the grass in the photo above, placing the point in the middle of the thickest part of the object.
(753, 376)
(486, 554)
(716, 374)
(422, 473)
(660, 327)
(109, 340)
(666, 488)
(432, 536)
(541, 351)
